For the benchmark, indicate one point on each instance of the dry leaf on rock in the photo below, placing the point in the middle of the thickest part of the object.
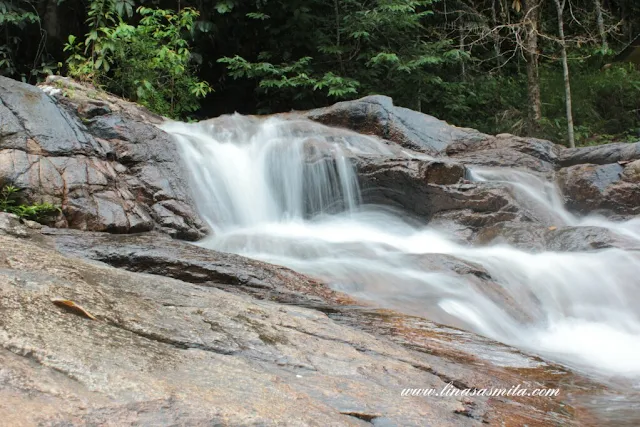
(72, 307)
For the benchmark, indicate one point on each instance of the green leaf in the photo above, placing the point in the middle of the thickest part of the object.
(224, 6)
(258, 16)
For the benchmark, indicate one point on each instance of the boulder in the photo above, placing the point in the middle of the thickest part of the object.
(609, 188)
(507, 150)
(600, 154)
(527, 236)
(438, 191)
(104, 163)
(376, 115)
(533, 237)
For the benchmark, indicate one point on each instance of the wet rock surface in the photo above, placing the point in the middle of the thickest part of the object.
(101, 159)
(601, 178)
(157, 254)
(600, 154)
(609, 188)
(524, 236)
(109, 168)
(533, 237)
(163, 351)
(507, 150)
(187, 335)
(582, 239)
(438, 191)
(376, 115)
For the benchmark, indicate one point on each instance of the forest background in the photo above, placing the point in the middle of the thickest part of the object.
(557, 69)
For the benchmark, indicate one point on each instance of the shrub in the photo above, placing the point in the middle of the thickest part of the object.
(149, 63)
(9, 202)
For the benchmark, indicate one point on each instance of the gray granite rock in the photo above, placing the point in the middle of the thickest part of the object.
(104, 163)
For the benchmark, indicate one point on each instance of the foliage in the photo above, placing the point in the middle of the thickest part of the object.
(150, 63)
(606, 105)
(9, 202)
(352, 49)
(461, 60)
(15, 17)
(493, 103)
(297, 76)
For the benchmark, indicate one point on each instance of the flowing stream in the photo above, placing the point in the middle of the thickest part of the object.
(286, 192)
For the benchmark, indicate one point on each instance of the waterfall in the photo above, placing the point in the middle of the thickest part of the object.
(286, 192)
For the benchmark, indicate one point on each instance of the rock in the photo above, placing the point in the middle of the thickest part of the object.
(582, 239)
(436, 172)
(608, 188)
(527, 236)
(101, 160)
(155, 253)
(507, 151)
(162, 351)
(436, 191)
(631, 172)
(376, 115)
(32, 224)
(463, 274)
(109, 168)
(10, 225)
(600, 154)
(534, 237)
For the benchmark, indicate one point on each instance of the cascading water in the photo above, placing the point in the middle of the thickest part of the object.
(277, 191)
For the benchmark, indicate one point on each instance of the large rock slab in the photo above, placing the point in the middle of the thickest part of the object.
(534, 237)
(161, 351)
(590, 238)
(158, 254)
(100, 159)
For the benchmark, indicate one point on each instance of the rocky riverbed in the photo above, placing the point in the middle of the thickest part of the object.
(233, 342)
(170, 333)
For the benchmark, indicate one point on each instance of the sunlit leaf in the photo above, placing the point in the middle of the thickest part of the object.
(72, 307)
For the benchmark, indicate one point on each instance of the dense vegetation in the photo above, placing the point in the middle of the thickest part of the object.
(496, 65)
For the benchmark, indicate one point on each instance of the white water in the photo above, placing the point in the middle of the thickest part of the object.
(285, 192)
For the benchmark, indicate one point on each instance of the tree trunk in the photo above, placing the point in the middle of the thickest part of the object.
(496, 36)
(531, 21)
(336, 8)
(601, 30)
(50, 21)
(565, 68)
(461, 46)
